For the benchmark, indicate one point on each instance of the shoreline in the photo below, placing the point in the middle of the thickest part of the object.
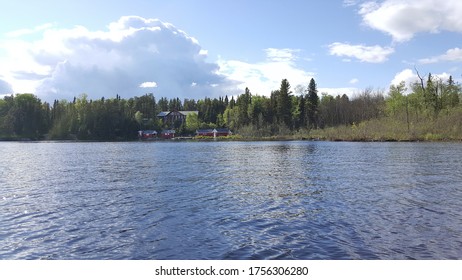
(286, 138)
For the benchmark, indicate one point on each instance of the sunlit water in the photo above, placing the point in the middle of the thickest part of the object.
(230, 200)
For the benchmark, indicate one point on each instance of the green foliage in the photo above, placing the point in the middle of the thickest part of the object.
(312, 102)
(397, 101)
(23, 116)
(192, 122)
(284, 104)
(104, 119)
(409, 117)
(243, 104)
(431, 110)
(139, 118)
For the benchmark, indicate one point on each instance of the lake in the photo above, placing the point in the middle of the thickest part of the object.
(230, 200)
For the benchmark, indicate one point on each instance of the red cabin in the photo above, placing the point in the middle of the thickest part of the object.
(167, 134)
(147, 134)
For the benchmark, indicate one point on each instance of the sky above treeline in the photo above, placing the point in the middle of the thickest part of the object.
(207, 48)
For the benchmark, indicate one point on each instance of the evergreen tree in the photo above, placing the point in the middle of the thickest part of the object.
(189, 105)
(312, 102)
(450, 95)
(163, 104)
(243, 103)
(232, 102)
(431, 94)
(284, 104)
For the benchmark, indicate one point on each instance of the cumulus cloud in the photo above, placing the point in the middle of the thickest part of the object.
(125, 59)
(371, 54)
(148, 85)
(409, 76)
(402, 19)
(453, 55)
(265, 76)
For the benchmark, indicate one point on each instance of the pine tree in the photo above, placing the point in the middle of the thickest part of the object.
(243, 103)
(312, 102)
(450, 94)
(284, 104)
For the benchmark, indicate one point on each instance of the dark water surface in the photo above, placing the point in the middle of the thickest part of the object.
(230, 200)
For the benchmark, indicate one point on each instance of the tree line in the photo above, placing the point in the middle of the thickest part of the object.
(281, 113)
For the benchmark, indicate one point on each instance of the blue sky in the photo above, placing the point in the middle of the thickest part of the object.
(192, 49)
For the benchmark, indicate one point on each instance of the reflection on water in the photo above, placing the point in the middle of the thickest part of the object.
(230, 200)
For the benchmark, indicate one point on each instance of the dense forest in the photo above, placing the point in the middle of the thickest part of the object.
(430, 110)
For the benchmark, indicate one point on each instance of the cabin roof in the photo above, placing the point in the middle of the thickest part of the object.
(184, 113)
(205, 130)
(222, 130)
(163, 114)
(189, 112)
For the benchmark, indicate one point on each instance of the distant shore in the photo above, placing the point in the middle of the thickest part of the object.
(327, 137)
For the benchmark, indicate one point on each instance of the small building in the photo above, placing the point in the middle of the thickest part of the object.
(205, 132)
(147, 134)
(222, 132)
(170, 117)
(167, 134)
(216, 132)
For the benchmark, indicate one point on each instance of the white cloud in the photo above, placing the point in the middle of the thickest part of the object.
(281, 55)
(443, 76)
(454, 55)
(372, 54)
(265, 76)
(409, 77)
(148, 85)
(354, 81)
(121, 59)
(402, 19)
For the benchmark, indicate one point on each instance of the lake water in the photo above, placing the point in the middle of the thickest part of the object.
(230, 200)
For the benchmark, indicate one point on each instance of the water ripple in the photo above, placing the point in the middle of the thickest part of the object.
(214, 200)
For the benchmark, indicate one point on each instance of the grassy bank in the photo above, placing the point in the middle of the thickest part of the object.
(447, 127)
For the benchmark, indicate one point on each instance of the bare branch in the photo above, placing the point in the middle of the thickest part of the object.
(420, 77)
